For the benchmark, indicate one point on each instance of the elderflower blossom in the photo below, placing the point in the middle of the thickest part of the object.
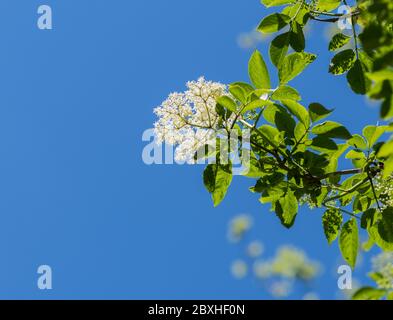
(384, 188)
(189, 120)
(383, 265)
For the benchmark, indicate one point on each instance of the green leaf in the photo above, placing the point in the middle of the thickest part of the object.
(385, 74)
(298, 12)
(361, 203)
(300, 133)
(332, 220)
(323, 144)
(338, 41)
(385, 226)
(238, 93)
(287, 208)
(327, 5)
(388, 167)
(359, 159)
(298, 111)
(273, 23)
(286, 93)
(279, 48)
(358, 142)
(386, 150)
(349, 242)
(294, 64)
(369, 293)
(357, 79)
(318, 112)
(256, 104)
(387, 108)
(355, 154)
(342, 62)
(297, 40)
(217, 179)
(245, 87)
(227, 103)
(258, 72)
(277, 115)
(269, 131)
(272, 3)
(373, 133)
(368, 218)
(331, 129)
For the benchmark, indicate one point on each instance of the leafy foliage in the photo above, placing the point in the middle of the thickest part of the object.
(295, 156)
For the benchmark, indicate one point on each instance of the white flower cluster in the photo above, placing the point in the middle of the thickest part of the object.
(189, 120)
(384, 189)
(383, 265)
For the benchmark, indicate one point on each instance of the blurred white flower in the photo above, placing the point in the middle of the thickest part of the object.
(311, 296)
(238, 226)
(281, 289)
(255, 249)
(239, 269)
(262, 269)
(383, 265)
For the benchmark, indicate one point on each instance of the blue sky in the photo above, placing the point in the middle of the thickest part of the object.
(75, 194)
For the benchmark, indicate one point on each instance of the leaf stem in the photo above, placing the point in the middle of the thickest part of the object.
(353, 189)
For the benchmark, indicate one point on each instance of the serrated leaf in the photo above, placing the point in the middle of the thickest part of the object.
(217, 179)
(338, 41)
(258, 71)
(273, 23)
(357, 79)
(279, 48)
(331, 129)
(294, 64)
(318, 112)
(342, 62)
(332, 220)
(349, 242)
